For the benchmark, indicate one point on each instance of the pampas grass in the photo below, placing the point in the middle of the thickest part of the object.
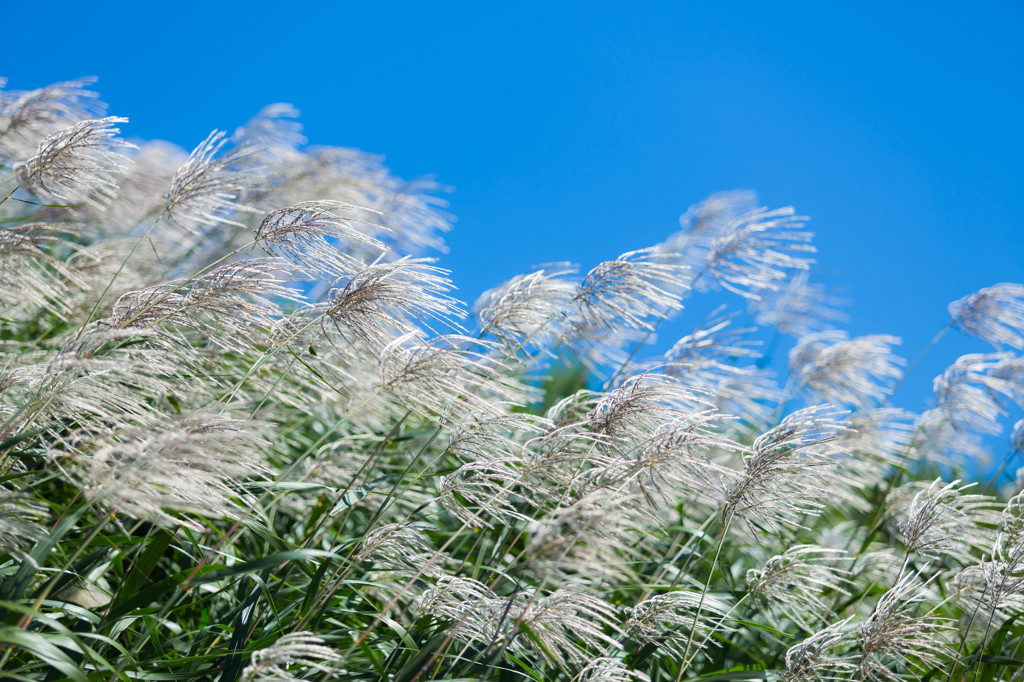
(247, 432)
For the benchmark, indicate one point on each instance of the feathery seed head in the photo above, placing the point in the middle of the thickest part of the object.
(530, 306)
(842, 371)
(637, 290)
(79, 164)
(812, 660)
(892, 637)
(27, 117)
(387, 299)
(302, 650)
(307, 232)
(609, 670)
(207, 188)
(186, 465)
(994, 314)
(790, 585)
(790, 468)
(797, 307)
(942, 521)
(666, 620)
(759, 251)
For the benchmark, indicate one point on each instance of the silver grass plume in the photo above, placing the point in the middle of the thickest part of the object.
(397, 547)
(711, 345)
(483, 493)
(531, 306)
(791, 585)
(29, 276)
(718, 212)
(481, 437)
(873, 441)
(113, 375)
(412, 214)
(942, 521)
(813, 660)
(967, 394)
(21, 520)
(667, 621)
(594, 536)
(609, 670)
(894, 640)
(567, 626)
(140, 198)
(274, 133)
(790, 468)
(707, 361)
(441, 376)
(798, 307)
(760, 250)
(853, 372)
(564, 626)
(27, 117)
(385, 300)
(994, 314)
(79, 164)
(672, 462)
(640, 404)
(638, 290)
(996, 583)
(145, 470)
(229, 305)
(295, 652)
(705, 222)
(207, 188)
(315, 235)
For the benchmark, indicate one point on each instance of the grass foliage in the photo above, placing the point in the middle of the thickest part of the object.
(248, 433)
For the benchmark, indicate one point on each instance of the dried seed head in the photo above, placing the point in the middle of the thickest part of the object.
(79, 164)
(798, 307)
(528, 307)
(316, 235)
(185, 465)
(759, 251)
(672, 462)
(994, 314)
(27, 117)
(385, 300)
(636, 290)
(21, 520)
(942, 521)
(854, 372)
(609, 670)
(968, 393)
(441, 377)
(207, 188)
(672, 619)
(791, 585)
(813, 660)
(294, 652)
(565, 627)
(790, 469)
(893, 637)
(594, 536)
(640, 404)
(482, 494)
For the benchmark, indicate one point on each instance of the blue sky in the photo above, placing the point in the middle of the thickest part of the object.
(580, 130)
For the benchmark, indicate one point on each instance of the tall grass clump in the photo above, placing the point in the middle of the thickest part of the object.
(248, 432)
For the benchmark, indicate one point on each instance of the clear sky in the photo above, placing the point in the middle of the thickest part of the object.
(580, 130)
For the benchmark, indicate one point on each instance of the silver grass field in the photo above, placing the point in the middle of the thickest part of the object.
(247, 432)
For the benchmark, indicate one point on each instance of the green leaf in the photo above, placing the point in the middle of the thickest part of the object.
(45, 650)
(14, 589)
